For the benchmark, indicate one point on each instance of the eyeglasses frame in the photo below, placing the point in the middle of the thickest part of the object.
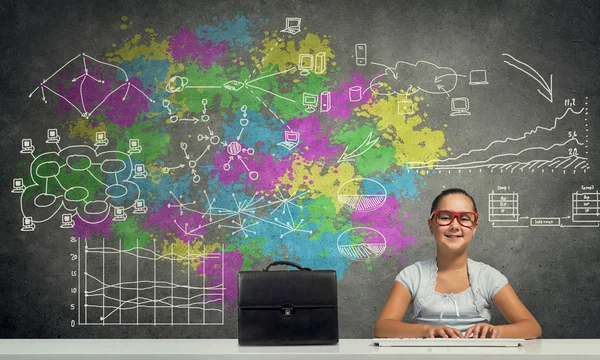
(456, 215)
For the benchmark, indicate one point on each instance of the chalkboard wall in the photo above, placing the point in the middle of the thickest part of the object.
(153, 149)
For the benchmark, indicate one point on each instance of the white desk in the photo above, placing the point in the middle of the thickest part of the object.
(228, 349)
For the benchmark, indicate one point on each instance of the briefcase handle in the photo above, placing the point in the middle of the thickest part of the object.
(287, 263)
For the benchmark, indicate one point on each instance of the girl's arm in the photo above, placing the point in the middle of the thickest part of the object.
(389, 324)
(521, 323)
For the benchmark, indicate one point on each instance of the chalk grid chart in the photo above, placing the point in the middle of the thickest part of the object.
(140, 286)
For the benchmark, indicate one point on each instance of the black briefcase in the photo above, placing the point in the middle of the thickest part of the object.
(287, 307)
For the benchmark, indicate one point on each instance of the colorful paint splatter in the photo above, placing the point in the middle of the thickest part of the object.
(235, 139)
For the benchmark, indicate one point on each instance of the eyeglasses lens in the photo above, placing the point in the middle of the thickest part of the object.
(444, 218)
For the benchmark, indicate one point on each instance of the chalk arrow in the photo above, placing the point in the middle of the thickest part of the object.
(531, 72)
(366, 145)
(441, 87)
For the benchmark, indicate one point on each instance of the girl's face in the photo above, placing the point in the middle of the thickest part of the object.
(454, 236)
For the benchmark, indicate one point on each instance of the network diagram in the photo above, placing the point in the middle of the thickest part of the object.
(118, 87)
(82, 181)
(243, 215)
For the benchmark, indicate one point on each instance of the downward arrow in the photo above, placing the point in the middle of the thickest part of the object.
(531, 72)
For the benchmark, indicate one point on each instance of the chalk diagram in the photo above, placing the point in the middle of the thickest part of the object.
(503, 210)
(141, 286)
(519, 154)
(407, 78)
(307, 64)
(362, 194)
(361, 244)
(75, 90)
(82, 181)
(244, 215)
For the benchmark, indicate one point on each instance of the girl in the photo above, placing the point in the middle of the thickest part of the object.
(452, 295)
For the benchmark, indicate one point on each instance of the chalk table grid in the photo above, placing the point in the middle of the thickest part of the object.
(229, 348)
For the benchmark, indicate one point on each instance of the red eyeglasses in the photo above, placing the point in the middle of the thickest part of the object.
(445, 217)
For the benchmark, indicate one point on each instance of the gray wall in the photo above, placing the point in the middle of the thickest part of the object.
(554, 269)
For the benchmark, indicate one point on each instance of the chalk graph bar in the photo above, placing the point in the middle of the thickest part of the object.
(585, 207)
(141, 286)
(503, 207)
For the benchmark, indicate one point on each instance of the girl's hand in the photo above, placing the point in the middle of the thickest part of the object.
(483, 330)
(442, 332)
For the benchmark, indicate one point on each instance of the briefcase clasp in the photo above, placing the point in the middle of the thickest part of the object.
(287, 310)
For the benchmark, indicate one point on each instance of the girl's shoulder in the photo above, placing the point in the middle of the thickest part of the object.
(422, 266)
(479, 268)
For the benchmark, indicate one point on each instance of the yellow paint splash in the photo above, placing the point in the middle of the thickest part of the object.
(187, 254)
(325, 181)
(83, 128)
(284, 53)
(135, 47)
(414, 142)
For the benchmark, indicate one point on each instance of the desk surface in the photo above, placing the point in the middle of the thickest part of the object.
(229, 348)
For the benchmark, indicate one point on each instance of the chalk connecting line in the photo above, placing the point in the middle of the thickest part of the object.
(109, 299)
(85, 76)
(239, 218)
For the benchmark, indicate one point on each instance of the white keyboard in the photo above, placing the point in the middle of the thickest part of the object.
(448, 342)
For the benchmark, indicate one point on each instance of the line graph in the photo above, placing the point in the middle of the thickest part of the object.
(141, 286)
(543, 149)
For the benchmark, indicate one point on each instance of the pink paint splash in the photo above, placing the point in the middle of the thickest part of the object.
(84, 230)
(120, 101)
(165, 218)
(186, 45)
(314, 144)
(241, 164)
(227, 276)
(341, 106)
(270, 170)
(387, 222)
(126, 104)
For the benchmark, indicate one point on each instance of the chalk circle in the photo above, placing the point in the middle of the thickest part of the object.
(47, 169)
(79, 162)
(113, 166)
(76, 193)
(362, 194)
(96, 207)
(253, 175)
(115, 191)
(176, 84)
(244, 121)
(250, 151)
(234, 148)
(204, 118)
(215, 139)
(44, 200)
(361, 243)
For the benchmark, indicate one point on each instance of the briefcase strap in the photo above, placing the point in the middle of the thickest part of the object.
(274, 263)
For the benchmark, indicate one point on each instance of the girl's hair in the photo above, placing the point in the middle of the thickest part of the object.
(450, 191)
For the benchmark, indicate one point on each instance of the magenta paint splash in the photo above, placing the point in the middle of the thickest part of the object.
(388, 223)
(85, 231)
(186, 45)
(215, 275)
(341, 106)
(119, 100)
(231, 164)
(187, 225)
(314, 144)
(269, 170)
